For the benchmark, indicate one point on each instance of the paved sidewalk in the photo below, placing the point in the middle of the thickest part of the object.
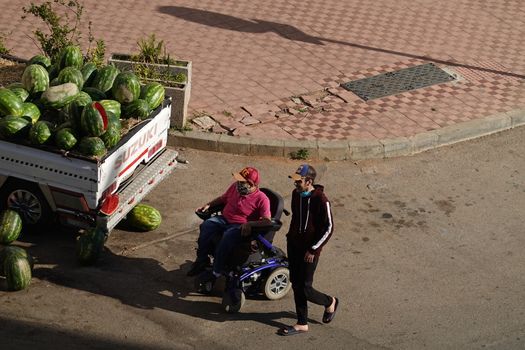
(270, 73)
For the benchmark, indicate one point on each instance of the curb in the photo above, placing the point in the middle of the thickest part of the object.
(350, 149)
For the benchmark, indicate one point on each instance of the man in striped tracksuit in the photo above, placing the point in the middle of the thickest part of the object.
(310, 229)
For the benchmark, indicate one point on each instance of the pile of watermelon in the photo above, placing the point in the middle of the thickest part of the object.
(72, 105)
(15, 263)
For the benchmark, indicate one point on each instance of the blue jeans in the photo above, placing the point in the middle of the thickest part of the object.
(213, 230)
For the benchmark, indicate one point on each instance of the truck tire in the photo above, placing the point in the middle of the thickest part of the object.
(26, 198)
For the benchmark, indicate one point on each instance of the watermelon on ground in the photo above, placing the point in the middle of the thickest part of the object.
(90, 244)
(10, 226)
(7, 251)
(144, 217)
(17, 272)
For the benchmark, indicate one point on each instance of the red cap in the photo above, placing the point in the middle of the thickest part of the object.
(248, 174)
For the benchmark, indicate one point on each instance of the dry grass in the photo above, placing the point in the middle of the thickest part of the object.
(10, 72)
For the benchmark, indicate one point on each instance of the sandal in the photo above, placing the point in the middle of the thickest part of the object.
(289, 330)
(329, 316)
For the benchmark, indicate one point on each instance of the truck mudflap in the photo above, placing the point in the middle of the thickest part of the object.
(131, 195)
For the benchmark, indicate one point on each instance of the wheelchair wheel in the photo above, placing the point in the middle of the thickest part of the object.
(278, 284)
(233, 300)
(203, 284)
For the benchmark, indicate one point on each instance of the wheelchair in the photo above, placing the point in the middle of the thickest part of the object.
(253, 270)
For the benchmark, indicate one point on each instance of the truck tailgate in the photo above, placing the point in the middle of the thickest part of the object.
(132, 193)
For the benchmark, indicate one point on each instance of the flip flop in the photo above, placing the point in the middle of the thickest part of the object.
(289, 330)
(329, 316)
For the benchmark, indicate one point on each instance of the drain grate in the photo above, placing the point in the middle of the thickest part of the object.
(392, 83)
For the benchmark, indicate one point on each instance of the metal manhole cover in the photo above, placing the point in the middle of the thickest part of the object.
(392, 83)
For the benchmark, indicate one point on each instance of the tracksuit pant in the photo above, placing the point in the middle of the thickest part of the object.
(302, 278)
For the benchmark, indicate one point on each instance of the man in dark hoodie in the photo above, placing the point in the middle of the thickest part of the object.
(310, 229)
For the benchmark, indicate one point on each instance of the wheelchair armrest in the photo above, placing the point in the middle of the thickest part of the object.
(206, 214)
(274, 225)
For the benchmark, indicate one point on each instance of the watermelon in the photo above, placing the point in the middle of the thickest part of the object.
(92, 147)
(74, 109)
(71, 75)
(42, 60)
(60, 95)
(35, 79)
(83, 99)
(144, 217)
(71, 56)
(94, 120)
(104, 78)
(65, 138)
(65, 125)
(40, 132)
(94, 93)
(126, 87)
(15, 85)
(14, 127)
(111, 106)
(30, 110)
(54, 82)
(10, 250)
(53, 71)
(17, 272)
(10, 103)
(89, 70)
(90, 245)
(153, 93)
(19, 91)
(111, 137)
(136, 109)
(10, 226)
(113, 121)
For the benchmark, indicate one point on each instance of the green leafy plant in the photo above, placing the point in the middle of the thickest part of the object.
(153, 51)
(145, 71)
(61, 32)
(62, 19)
(302, 154)
(98, 53)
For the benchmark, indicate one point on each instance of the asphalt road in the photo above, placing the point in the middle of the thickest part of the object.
(426, 254)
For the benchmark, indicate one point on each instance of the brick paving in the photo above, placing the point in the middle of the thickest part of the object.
(273, 69)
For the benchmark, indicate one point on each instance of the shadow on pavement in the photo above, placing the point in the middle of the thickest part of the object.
(139, 282)
(219, 20)
(18, 334)
(255, 26)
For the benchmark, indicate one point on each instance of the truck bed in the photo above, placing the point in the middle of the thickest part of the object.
(90, 176)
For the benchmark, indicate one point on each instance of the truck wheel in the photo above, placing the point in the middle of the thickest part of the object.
(27, 199)
(277, 284)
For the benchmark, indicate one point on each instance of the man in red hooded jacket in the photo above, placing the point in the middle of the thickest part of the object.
(310, 229)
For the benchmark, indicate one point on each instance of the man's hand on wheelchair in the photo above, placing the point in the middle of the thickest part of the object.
(203, 208)
(254, 246)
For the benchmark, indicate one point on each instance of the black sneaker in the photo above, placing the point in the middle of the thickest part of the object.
(197, 267)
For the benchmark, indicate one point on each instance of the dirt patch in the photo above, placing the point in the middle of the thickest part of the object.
(10, 72)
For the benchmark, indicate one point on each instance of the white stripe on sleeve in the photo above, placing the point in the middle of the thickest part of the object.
(328, 230)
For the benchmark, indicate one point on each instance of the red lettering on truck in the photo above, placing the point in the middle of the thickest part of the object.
(135, 147)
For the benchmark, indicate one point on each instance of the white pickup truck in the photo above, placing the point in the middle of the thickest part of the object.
(44, 184)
